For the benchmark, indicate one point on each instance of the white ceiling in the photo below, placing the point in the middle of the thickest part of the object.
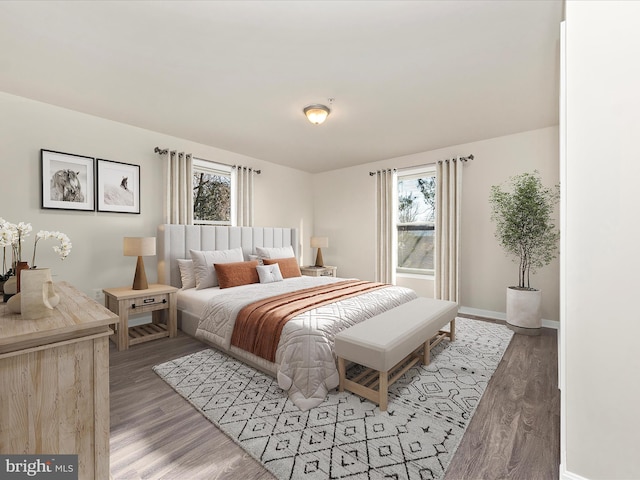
(407, 76)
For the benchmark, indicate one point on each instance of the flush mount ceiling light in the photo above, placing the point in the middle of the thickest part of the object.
(316, 113)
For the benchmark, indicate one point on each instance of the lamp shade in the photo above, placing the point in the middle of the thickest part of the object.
(319, 242)
(316, 113)
(139, 246)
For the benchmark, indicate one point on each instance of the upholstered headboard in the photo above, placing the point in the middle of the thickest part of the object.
(175, 241)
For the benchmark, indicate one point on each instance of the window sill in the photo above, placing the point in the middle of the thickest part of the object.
(415, 276)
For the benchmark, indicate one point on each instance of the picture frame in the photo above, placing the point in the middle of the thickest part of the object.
(67, 181)
(117, 186)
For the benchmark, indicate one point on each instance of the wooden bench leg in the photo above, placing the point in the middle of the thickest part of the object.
(341, 373)
(427, 352)
(383, 390)
(452, 331)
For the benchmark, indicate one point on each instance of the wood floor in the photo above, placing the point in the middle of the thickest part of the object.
(155, 434)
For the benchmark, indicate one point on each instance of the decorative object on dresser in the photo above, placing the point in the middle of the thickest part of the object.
(319, 243)
(429, 410)
(14, 235)
(158, 299)
(139, 247)
(14, 303)
(55, 382)
(3, 278)
(38, 297)
(20, 266)
(67, 181)
(313, 271)
(9, 289)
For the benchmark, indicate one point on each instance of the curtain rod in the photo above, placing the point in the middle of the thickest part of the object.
(164, 151)
(462, 159)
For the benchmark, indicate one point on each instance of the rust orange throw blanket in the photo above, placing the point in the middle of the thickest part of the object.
(259, 324)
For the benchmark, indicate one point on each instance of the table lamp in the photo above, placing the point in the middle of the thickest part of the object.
(319, 243)
(139, 247)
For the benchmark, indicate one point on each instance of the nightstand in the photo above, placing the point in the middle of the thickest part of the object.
(160, 300)
(326, 271)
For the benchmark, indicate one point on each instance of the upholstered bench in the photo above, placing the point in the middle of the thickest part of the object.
(391, 343)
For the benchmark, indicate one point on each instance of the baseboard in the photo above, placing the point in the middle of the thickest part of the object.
(565, 475)
(503, 316)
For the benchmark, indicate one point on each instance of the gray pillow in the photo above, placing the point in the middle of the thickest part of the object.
(203, 261)
(275, 252)
(187, 273)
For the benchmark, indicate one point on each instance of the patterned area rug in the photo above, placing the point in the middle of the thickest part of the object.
(346, 436)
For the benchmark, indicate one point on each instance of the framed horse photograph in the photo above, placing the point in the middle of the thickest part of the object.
(118, 187)
(67, 181)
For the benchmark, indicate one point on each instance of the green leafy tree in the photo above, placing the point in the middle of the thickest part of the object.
(524, 222)
(407, 209)
(427, 187)
(211, 197)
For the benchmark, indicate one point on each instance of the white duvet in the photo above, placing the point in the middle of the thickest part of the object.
(306, 366)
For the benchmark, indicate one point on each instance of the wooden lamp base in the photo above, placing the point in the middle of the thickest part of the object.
(140, 280)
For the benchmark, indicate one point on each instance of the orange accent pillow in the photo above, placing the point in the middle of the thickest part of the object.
(288, 266)
(236, 273)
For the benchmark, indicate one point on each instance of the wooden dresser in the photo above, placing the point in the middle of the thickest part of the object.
(54, 382)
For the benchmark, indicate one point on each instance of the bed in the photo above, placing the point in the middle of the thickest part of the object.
(302, 359)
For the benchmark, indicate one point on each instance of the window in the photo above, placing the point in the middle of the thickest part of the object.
(211, 193)
(416, 221)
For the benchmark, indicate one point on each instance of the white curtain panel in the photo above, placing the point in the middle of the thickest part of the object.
(386, 181)
(178, 199)
(447, 248)
(244, 196)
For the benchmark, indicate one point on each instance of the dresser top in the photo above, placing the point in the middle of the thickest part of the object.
(76, 315)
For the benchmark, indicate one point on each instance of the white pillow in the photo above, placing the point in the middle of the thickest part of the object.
(203, 264)
(276, 252)
(269, 273)
(187, 273)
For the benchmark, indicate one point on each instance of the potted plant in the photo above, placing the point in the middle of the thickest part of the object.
(526, 230)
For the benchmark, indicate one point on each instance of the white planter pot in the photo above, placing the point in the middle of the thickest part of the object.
(524, 308)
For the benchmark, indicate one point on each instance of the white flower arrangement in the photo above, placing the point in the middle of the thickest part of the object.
(6, 234)
(6, 240)
(15, 235)
(63, 250)
(12, 235)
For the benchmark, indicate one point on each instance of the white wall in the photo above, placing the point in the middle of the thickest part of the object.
(96, 260)
(601, 319)
(344, 203)
(338, 204)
